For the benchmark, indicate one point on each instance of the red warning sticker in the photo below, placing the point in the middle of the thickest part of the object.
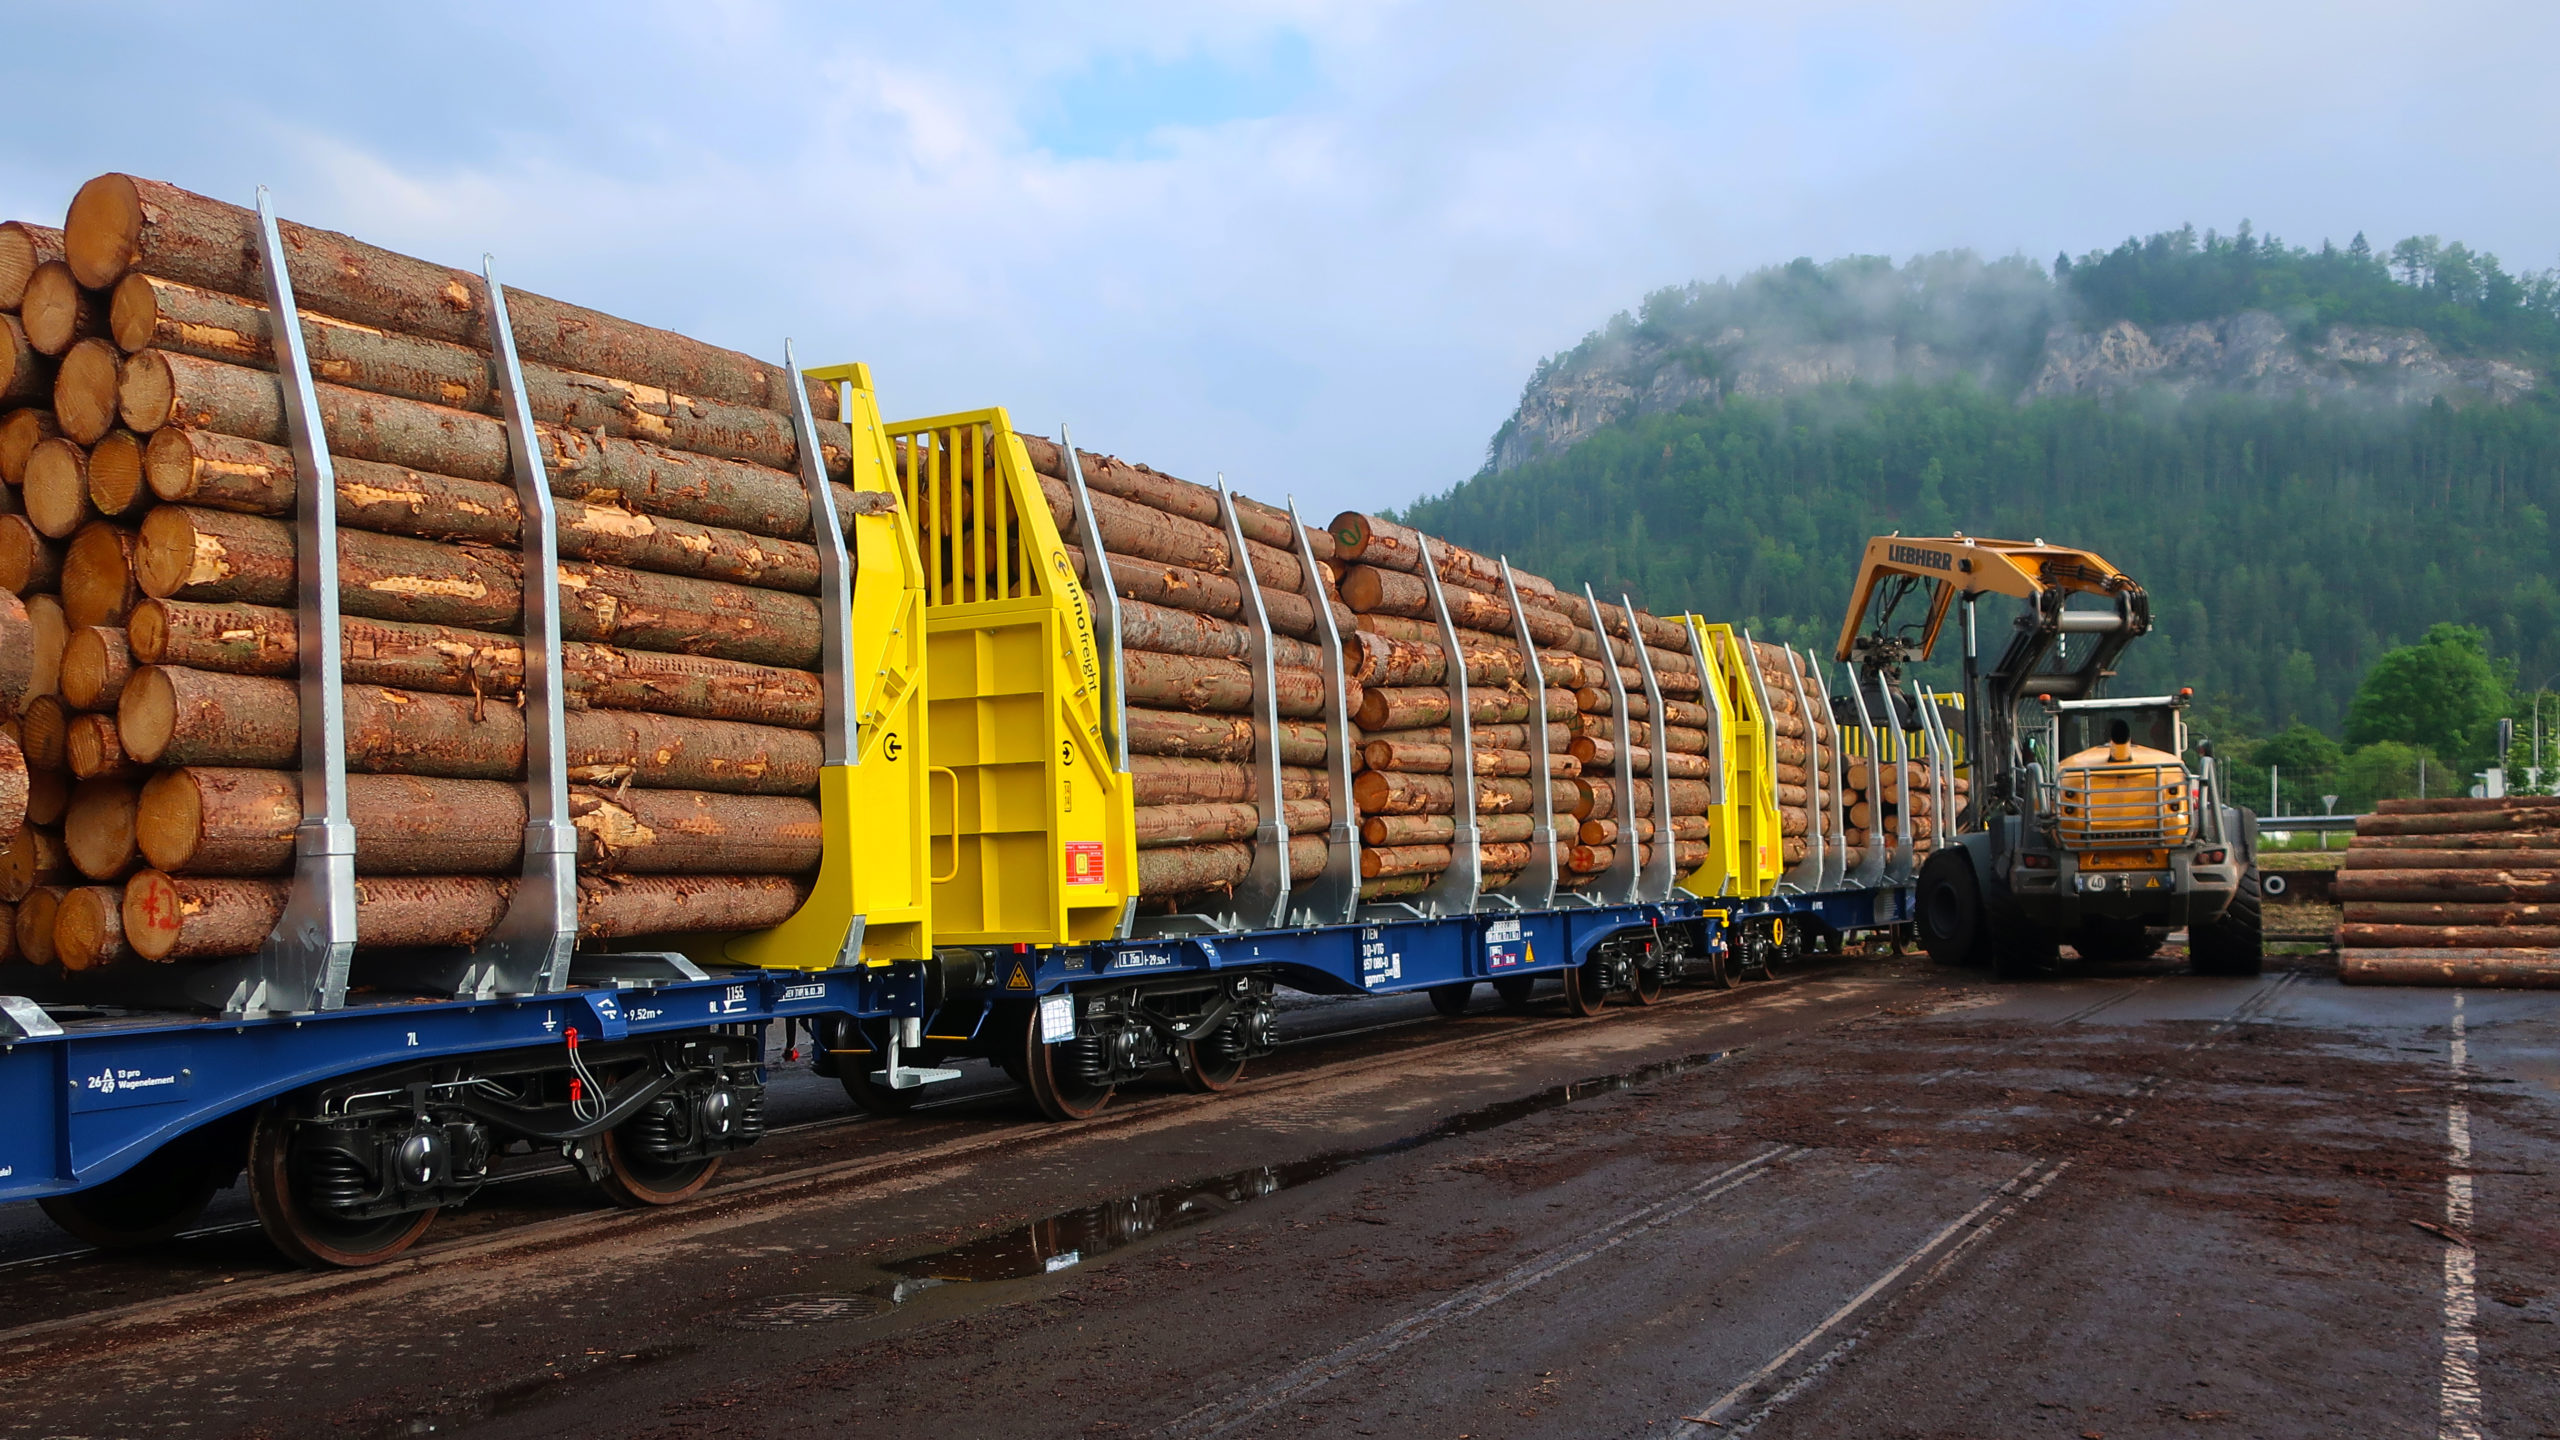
(1084, 862)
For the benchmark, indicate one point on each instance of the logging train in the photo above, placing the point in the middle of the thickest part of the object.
(659, 694)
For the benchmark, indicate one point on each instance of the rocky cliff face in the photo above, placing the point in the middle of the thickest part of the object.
(2251, 352)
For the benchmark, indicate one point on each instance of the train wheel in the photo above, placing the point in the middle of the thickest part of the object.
(1204, 1074)
(636, 1182)
(1585, 988)
(154, 1200)
(1054, 1088)
(305, 1235)
(1647, 985)
(1451, 1000)
(1515, 990)
(1719, 974)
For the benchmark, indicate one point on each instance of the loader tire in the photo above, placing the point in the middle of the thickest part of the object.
(1950, 909)
(2235, 944)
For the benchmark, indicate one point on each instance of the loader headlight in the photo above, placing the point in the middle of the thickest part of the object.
(2213, 857)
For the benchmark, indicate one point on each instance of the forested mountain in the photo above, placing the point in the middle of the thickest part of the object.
(2307, 456)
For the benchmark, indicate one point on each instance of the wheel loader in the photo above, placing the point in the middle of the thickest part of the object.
(2084, 825)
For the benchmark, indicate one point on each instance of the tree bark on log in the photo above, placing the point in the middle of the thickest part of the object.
(2425, 912)
(210, 820)
(1187, 682)
(1442, 829)
(412, 369)
(28, 562)
(1374, 659)
(260, 640)
(189, 917)
(1183, 588)
(2508, 816)
(1367, 540)
(1168, 631)
(92, 750)
(1367, 589)
(1261, 523)
(2521, 969)
(1193, 869)
(26, 378)
(17, 656)
(29, 857)
(23, 247)
(175, 716)
(2549, 805)
(13, 785)
(1159, 826)
(2451, 937)
(157, 389)
(120, 224)
(2505, 857)
(2368, 845)
(666, 832)
(1398, 707)
(1171, 780)
(1391, 792)
(1176, 734)
(189, 553)
(2473, 886)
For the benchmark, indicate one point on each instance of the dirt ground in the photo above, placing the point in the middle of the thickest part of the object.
(1880, 1199)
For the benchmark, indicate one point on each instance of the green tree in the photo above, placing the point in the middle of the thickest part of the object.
(2388, 770)
(2300, 750)
(2442, 693)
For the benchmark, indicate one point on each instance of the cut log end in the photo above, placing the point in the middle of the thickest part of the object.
(102, 235)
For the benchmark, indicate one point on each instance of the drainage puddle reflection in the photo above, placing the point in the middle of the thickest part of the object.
(1057, 1242)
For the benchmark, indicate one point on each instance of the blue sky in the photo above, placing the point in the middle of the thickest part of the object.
(1315, 245)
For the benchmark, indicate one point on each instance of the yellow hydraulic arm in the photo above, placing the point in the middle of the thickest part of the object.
(1961, 565)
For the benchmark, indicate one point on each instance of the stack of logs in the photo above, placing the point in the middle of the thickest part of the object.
(35, 788)
(2453, 892)
(1879, 792)
(158, 494)
(1186, 676)
(1403, 792)
(1802, 748)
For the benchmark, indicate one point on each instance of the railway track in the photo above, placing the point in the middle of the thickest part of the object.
(936, 1136)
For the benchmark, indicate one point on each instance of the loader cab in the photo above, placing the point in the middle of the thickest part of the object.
(2110, 776)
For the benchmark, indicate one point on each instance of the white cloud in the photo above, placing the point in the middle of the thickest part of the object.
(1340, 298)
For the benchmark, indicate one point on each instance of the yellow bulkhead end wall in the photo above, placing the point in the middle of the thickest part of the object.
(1708, 879)
(870, 812)
(1745, 852)
(1033, 831)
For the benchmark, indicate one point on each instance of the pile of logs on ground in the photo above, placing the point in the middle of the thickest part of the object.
(150, 557)
(1403, 793)
(2452, 892)
(1184, 656)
